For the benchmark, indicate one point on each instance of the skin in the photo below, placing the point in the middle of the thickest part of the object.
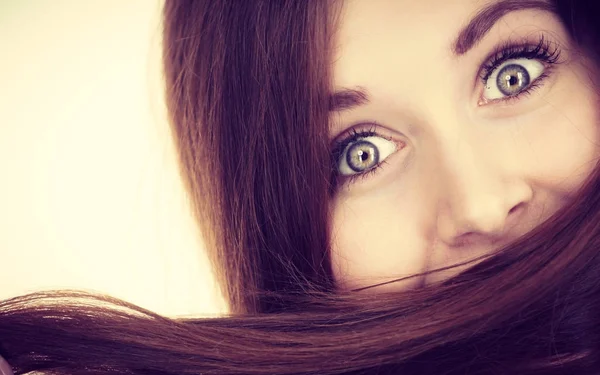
(467, 177)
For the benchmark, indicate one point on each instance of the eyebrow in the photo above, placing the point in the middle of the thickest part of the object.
(468, 37)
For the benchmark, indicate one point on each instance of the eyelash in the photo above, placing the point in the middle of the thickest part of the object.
(544, 51)
(339, 147)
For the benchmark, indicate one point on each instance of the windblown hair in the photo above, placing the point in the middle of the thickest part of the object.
(247, 86)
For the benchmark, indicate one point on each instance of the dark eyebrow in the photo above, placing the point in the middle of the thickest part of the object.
(348, 99)
(486, 18)
(468, 37)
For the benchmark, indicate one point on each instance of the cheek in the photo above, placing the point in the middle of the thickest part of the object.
(376, 238)
(560, 147)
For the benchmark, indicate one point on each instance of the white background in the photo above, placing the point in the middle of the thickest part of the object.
(90, 196)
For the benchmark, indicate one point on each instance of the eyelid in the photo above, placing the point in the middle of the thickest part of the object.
(370, 126)
(353, 134)
(533, 44)
(544, 51)
(534, 69)
(384, 148)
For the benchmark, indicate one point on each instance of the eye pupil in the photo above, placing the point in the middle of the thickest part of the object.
(362, 155)
(512, 79)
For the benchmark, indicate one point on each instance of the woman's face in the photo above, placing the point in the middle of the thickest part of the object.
(460, 148)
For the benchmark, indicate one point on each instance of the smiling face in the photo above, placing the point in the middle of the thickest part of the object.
(457, 149)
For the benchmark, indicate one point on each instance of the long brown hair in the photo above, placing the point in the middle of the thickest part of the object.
(247, 86)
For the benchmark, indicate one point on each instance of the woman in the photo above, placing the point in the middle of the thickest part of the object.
(338, 153)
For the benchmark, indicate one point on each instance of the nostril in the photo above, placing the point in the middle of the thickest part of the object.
(515, 208)
(466, 239)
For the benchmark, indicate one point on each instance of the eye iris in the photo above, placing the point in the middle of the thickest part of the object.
(361, 156)
(512, 79)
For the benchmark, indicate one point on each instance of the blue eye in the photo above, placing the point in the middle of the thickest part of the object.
(363, 154)
(512, 77)
(516, 69)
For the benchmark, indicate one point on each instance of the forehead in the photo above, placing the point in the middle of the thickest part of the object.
(398, 29)
(403, 18)
(401, 13)
(392, 47)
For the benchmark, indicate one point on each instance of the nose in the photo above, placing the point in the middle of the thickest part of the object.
(478, 201)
